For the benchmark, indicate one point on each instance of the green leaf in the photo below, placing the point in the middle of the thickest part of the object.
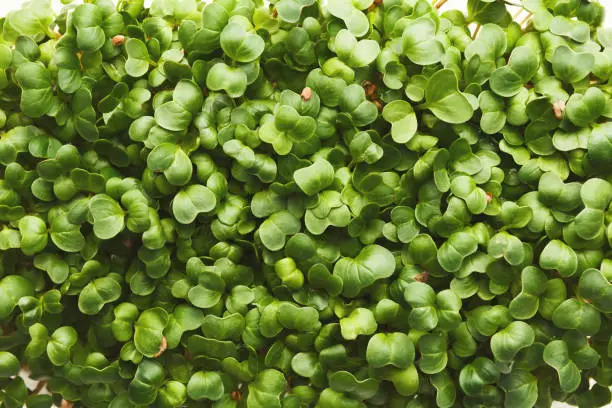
(355, 53)
(507, 246)
(314, 178)
(596, 289)
(290, 10)
(575, 314)
(522, 65)
(493, 116)
(521, 389)
(137, 64)
(350, 12)
(491, 43)
(60, 345)
(600, 146)
(363, 149)
(66, 235)
(474, 377)
(372, 263)
(229, 327)
(433, 353)
(419, 42)
(286, 269)
(177, 9)
(239, 42)
(148, 331)
(172, 116)
(108, 216)
(574, 29)
(223, 77)
(191, 201)
(403, 120)
(34, 235)
(97, 293)
(173, 161)
(54, 265)
(205, 385)
(533, 284)
(305, 364)
(36, 92)
(394, 349)
(33, 19)
(87, 19)
(266, 389)
(557, 256)
(571, 66)
(585, 109)
(453, 251)
(443, 98)
(274, 230)
(13, 288)
(506, 343)
(9, 365)
(145, 385)
(557, 356)
(360, 322)
(446, 392)
(354, 103)
(486, 11)
(346, 382)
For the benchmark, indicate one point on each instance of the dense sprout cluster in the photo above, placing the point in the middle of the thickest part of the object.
(339, 204)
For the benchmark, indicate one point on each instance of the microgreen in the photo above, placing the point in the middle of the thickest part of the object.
(300, 203)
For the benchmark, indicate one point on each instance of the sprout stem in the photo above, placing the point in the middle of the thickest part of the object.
(526, 19)
(476, 31)
(440, 4)
(52, 33)
(41, 384)
(518, 13)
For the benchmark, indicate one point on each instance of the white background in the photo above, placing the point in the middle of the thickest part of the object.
(7, 5)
